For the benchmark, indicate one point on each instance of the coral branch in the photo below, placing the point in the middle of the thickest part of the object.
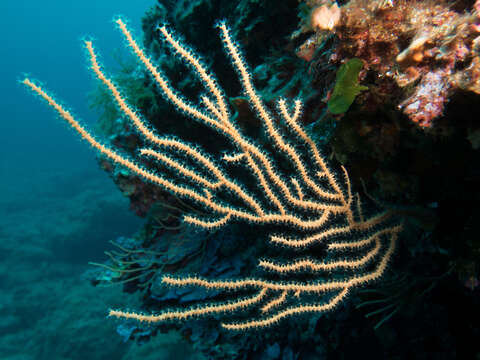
(313, 204)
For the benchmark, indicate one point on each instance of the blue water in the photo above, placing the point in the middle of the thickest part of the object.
(43, 39)
(57, 208)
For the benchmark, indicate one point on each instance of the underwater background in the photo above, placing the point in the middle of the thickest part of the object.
(391, 91)
(58, 209)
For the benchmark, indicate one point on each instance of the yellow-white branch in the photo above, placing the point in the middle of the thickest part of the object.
(314, 204)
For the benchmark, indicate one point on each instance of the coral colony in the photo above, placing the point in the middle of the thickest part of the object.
(425, 48)
(307, 205)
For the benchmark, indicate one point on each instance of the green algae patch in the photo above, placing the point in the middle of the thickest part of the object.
(346, 86)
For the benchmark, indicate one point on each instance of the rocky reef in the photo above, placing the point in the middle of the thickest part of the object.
(410, 140)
